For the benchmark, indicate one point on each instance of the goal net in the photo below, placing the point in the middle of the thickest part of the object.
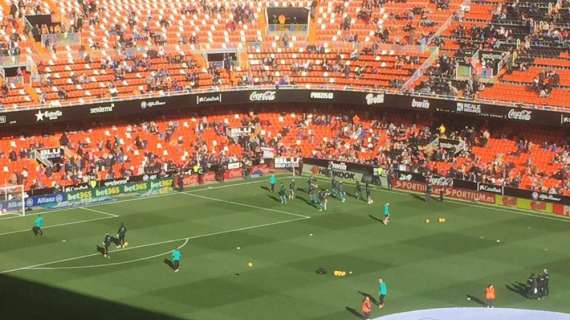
(12, 200)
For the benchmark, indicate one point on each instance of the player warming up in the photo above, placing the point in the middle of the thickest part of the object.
(107, 241)
(272, 182)
(382, 292)
(292, 189)
(175, 258)
(323, 195)
(39, 223)
(121, 235)
(368, 194)
(282, 194)
(386, 219)
(359, 192)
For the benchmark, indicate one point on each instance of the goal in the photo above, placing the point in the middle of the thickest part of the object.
(12, 200)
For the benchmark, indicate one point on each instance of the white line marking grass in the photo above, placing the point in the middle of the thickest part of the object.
(241, 204)
(100, 211)
(112, 215)
(43, 266)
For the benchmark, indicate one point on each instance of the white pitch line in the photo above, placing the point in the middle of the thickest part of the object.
(97, 204)
(58, 225)
(37, 266)
(247, 205)
(99, 211)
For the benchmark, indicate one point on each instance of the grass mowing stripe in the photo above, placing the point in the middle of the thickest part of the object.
(58, 225)
(248, 205)
(37, 266)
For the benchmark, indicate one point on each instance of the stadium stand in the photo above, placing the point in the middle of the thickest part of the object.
(156, 47)
(159, 46)
(498, 155)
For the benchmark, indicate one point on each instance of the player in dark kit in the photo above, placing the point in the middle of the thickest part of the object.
(121, 235)
(546, 282)
(368, 194)
(541, 284)
(359, 194)
(107, 241)
(292, 189)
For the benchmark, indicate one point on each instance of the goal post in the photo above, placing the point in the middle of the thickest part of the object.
(12, 200)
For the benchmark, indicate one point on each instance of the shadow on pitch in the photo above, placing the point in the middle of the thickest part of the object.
(477, 300)
(100, 249)
(419, 197)
(520, 288)
(364, 294)
(266, 188)
(169, 263)
(375, 218)
(305, 200)
(57, 303)
(355, 312)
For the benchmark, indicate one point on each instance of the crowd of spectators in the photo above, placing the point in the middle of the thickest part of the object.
(545, 82)
(391, 141)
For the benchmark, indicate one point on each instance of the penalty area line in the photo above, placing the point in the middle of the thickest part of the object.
(191, 189)
(58, 225)
(43, 266)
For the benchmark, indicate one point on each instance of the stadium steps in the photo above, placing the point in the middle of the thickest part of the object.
(262, 24)
(32, 94)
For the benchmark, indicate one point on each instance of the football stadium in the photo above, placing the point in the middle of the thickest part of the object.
(285, 159)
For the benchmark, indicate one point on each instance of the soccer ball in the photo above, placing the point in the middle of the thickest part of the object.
(428, 221)
(125, 244)
(250, 264)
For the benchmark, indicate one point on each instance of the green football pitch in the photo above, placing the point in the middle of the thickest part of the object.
(222, 227)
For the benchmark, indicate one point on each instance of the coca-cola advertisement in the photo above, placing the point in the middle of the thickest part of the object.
(520, 114)
(262, 96)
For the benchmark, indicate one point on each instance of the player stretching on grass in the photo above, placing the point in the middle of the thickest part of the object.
(272, 182)
(386, 213)
(283, 194)
(121, 235)
(292, 189)
(175, 258)
(38, 225)
(382, 292)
